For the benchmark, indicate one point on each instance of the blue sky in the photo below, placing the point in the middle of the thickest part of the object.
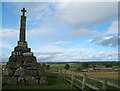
(63, 31)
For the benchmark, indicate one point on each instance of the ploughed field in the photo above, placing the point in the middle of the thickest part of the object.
(102, 74)
(110, 76)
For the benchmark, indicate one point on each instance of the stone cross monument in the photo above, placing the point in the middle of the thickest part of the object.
(21, 52)
(22, 26)
(22, 66)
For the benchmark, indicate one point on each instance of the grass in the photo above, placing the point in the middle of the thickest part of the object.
(73, 66)
(54, 83)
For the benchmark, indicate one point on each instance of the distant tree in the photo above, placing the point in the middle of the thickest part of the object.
(108, 65)
(85, 65)
(67, 66)
(93, 65)
(48, 67)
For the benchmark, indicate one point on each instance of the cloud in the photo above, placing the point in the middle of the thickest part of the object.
(78, 14)
(9, 34)
(5, 45)
(109, 38)
(36, 11)
(68, 13)
(82, 32)
(44, 31)
(7, 37)
(111, 41)
(70, 55)
(113, 29)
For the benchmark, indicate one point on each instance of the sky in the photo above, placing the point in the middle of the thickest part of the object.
(63, 31)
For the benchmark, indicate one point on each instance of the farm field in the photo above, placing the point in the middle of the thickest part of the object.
(99, 74)
(103, 74)
(109, 76)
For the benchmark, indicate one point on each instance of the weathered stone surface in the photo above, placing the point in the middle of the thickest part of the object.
(12, 81)
(10, 72)
(21, 80)
(14, 65)
(19, 58)
(30, 80)
(20, 72)
(30, 59)
(31, 72)
(43, 80)
(26, 65)
(38, 65)
(12, 59)
(41, 72)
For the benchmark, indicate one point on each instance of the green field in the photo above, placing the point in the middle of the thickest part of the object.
(72, 66)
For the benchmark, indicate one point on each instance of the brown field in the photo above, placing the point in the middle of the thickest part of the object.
(100, 74)
(111, 75)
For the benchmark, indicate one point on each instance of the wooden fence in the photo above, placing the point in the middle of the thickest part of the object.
(81, 81)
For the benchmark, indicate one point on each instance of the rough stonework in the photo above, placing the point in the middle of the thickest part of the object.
(22, 67)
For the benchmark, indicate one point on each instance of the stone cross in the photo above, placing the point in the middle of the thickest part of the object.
(23, 10)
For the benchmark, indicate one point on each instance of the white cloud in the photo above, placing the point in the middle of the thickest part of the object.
(44, 31)
(82, 32)
(78, 14)
(36, 11)
(5, 45)
(69, 13)
(9, 34)
(113, 29)
(58, 54)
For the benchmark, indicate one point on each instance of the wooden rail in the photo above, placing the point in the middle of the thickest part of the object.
(79, 81)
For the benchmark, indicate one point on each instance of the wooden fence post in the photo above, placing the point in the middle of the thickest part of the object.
(72, 78)
(104, 85)
(83, 82)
